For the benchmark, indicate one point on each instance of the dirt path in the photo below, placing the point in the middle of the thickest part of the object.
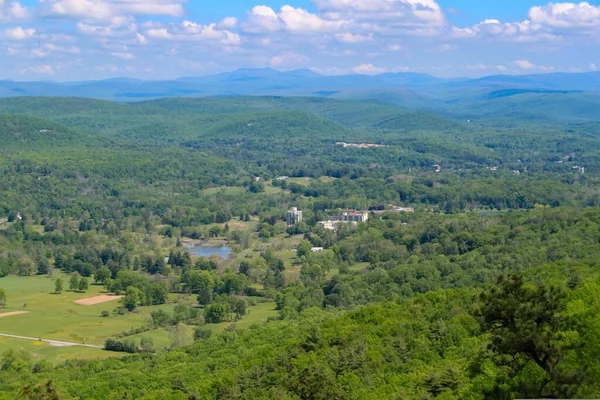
(92, 301)
(10, 314)
(52, 343)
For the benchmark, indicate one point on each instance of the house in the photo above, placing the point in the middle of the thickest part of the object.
(317, 249)
(293, 217)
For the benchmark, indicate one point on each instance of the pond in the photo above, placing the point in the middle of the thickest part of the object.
(222, 251)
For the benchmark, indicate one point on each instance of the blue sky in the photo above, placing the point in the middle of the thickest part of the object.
(161, 39)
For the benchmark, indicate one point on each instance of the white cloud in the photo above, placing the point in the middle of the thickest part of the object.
(19, 33)
(528, 65)
(123, 56)
(368, 69)
(288, 59)
(45, 69)
(12, 11)
(353, 38)
(39, 53)
(593, 67)
(106, 10)
(448, 47)
(395, 12)
(228, 23)
(265, 19)
(191, 31)
(566, 15)
(118, 29)
(159, 33)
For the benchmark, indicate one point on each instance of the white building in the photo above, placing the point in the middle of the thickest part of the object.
(293, 217)
(352, 216)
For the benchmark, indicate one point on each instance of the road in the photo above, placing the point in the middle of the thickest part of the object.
(53, 343)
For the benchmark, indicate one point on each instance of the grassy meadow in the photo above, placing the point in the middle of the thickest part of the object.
(58, 317)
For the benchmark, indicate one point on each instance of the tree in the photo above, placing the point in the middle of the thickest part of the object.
(202, 333)
(3, 297)
(83, 285)
(74, 282)
(304, 248)
(180, 337)
(58, 286)
(132, 298)
(527, 325)
(216, 313)
(43, 267)
(102, 275)
(147, 345)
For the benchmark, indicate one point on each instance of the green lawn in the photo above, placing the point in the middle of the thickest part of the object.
(56, 316)
(55, 355)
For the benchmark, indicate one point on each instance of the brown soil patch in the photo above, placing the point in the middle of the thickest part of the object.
(10, 314)
(90, 301)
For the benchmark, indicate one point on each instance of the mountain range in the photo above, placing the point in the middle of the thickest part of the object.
(535, 98)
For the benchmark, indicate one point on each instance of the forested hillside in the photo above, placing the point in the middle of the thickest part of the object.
(483, 286)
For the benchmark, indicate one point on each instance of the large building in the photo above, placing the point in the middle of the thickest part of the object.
(352, 216)
(293, 217)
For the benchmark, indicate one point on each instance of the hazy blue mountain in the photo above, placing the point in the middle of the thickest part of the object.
(530, 96)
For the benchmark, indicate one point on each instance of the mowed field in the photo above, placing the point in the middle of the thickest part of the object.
(59, 317)
(55, 355)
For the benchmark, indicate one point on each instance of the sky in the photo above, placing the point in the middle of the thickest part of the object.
(68, 40)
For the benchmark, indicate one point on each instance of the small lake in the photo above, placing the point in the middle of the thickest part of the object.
(222, 251)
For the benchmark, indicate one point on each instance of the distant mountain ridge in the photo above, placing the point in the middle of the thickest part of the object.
(267, 81)
(534, 97)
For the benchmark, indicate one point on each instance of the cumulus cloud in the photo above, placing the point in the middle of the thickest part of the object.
(117, 29)
(19, 33)
(394, 12)
(123, 56)
(12, 11)
(368, 69)
(566, 15)
(528, 65)
(228, 23)
(334, 36)
(45, 69)
(551, 22)
(353, 38)
(192, 31)
(265, 19)
(106, 10)
(288, 59)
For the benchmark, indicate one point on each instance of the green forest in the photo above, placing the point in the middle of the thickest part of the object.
(488, 290)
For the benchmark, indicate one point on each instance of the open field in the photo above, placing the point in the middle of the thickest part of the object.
(55, 355)
(59, 317)
(35, 312)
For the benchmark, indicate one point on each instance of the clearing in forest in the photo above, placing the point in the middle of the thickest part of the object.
(10, 314)
(91, 301)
